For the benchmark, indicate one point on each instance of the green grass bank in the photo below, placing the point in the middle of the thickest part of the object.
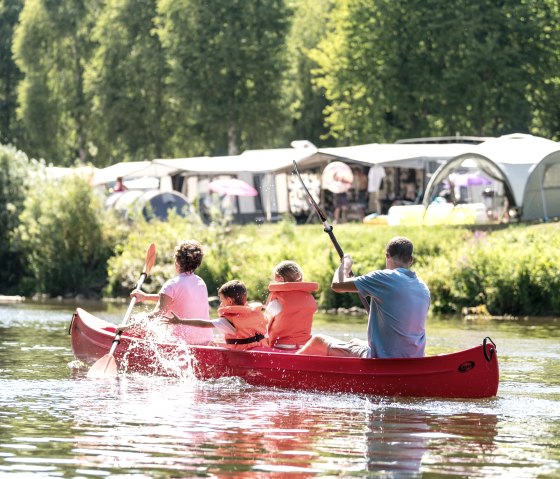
(513, 271)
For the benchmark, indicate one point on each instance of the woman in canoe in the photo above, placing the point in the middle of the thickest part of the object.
(186, 294)
(243, 324)
(290, 307)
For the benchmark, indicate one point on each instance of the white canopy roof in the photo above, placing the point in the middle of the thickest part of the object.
(281, 159)
(124, 169)
(514, 155)
(398, 155)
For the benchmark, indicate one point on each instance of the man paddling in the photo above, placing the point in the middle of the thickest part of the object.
(399, 307)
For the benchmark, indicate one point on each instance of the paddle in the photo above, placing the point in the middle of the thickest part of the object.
(107, 366)
(326, 227)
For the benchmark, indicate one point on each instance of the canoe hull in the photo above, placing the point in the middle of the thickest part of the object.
(472, 373)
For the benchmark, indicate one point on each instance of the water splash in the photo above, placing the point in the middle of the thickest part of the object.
(169, 356)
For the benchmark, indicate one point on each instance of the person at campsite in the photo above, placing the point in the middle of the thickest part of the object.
(341, 203)
(340, 198)
(376, 174)
(290, 307)
(399, 307)
(185, 294)
(119, 185)
(243, 324)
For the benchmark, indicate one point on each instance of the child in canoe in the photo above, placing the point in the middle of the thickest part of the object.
(243, 324)
(290, 307)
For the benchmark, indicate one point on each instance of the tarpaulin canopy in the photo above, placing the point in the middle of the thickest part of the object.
(397, 155)
(281, 160)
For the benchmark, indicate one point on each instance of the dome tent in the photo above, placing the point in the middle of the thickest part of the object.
(542, 192)
(150, 203)
(509, 159)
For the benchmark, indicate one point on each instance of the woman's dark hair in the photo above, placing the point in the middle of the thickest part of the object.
(188, 255)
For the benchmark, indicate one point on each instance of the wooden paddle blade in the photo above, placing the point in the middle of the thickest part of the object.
(105, 367)
(150, 258)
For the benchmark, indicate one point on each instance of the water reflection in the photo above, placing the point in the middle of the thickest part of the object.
(56, 423)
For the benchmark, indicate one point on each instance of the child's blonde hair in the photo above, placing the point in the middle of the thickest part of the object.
(289, 271)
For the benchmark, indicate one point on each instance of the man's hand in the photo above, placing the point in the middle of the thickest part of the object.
(346, 265)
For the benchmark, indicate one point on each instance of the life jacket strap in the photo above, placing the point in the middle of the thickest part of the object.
(253, 339)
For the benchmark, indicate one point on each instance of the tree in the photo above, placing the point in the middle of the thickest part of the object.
(227, 65)
(127, 82)
(51, 47)
(305, 100)
(65, 236)
(10, 129)
(408, 68)
(15, 170)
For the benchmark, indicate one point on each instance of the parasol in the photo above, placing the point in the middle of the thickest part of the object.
(232, 187)
(337, 177)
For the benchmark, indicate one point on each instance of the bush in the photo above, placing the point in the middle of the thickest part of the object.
(66, 237)
(15, 176)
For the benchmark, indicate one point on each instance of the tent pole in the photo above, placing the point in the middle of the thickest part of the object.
(545, 213)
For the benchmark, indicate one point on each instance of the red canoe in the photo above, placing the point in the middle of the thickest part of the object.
(472, 373)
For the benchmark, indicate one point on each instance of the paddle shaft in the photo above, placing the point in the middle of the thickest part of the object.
(117, 339)
(107, 366)
(327, 228)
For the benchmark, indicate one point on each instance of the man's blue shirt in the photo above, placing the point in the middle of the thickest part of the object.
(397, 318)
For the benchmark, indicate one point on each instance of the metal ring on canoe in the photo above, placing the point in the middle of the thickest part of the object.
(488, 353)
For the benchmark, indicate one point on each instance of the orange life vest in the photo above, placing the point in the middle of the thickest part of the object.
(292, 326)
(250, 323)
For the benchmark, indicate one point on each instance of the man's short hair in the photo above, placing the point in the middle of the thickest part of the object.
(401, 248)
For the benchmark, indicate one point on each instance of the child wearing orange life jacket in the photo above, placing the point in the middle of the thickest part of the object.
(243, 324)
(290, 307)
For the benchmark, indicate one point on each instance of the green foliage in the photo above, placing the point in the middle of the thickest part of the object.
(399, 68)
(15, 178)
(229, 72)
(304, 99)
(10, 128)
(507, 270)
(51, 47)
(65, 236)
(126, 80)
(106, 81)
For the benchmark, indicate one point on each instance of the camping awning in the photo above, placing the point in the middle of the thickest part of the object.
(397, 155)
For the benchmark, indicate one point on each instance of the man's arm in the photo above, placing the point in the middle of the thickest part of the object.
(342, 282)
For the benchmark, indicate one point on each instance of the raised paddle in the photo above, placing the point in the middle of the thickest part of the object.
(106, 366)
(326, 227)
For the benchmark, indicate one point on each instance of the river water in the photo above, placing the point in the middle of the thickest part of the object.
(54, 422)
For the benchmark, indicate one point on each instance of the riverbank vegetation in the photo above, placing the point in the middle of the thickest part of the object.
(58, 240)
(102, 82)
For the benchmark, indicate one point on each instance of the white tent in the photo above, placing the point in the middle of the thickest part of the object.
(508, 159)
(541, 199)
